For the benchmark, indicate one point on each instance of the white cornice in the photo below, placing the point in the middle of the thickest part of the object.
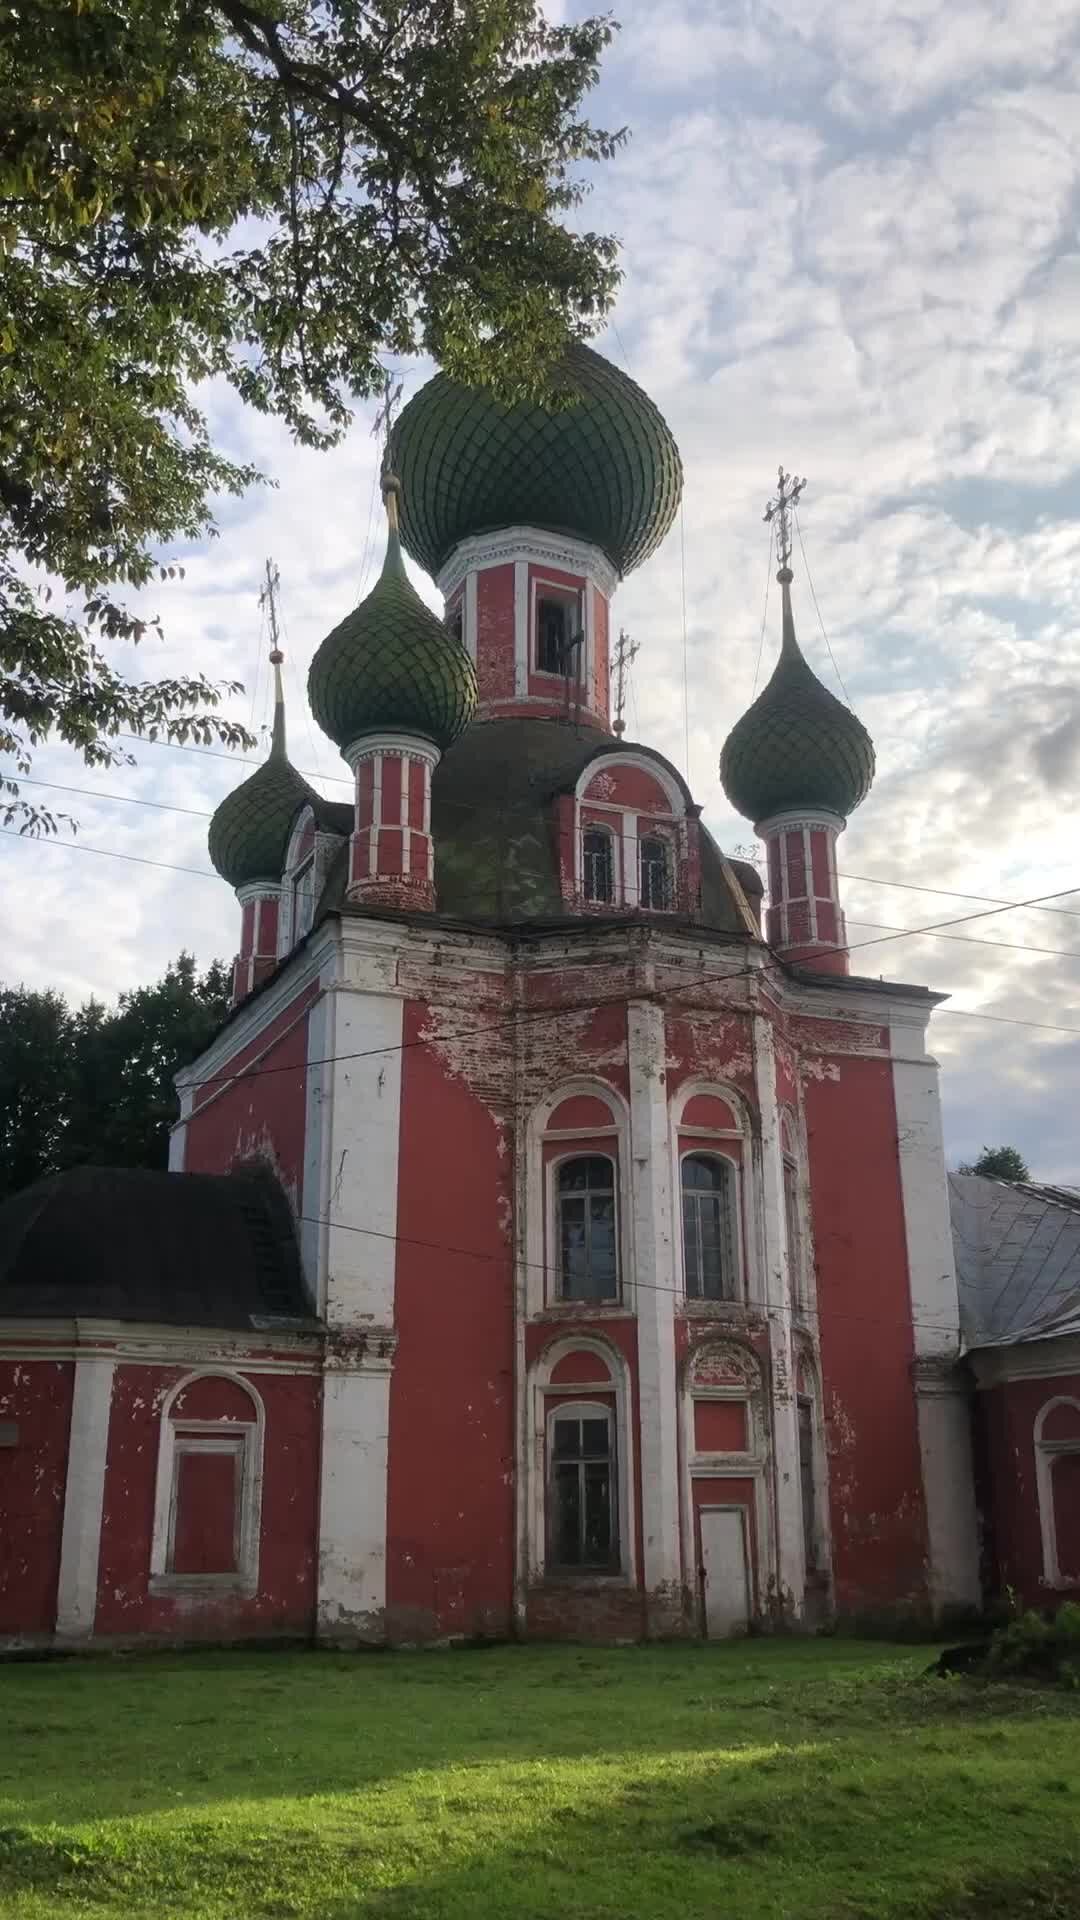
(510, 544)
(1026, 1360)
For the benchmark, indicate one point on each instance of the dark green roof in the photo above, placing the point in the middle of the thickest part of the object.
(797, 746)
(604, 469)
(392, 664)
(249, 831)
(496, 835)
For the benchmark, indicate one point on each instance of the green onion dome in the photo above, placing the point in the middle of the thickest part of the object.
(249, 831)
(604, 468)
(797, 746)
(392, 663)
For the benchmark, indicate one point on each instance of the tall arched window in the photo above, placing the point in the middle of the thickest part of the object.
(654, 881)
(708, 1209)
(598, 864)
(588, 1243)
(582, 1508)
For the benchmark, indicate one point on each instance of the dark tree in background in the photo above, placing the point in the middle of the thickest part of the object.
(273, 196)
(999, 1163)
(94, 1085)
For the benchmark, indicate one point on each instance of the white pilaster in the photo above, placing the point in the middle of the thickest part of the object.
(352, 1490)
(359, 1175)
(318, 1084)
(654, 1274)
(776, 1289)
(941, 1403)
(178, 1132)
(361, 1122)
(84, 1497)
(468, 624)
(521, 628)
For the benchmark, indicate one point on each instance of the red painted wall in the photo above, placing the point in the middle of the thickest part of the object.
(1007, 1416)
(285, 1602)
(495, 633)
(875, 1472)
(262, 1114)
(36, 1396)
(450, 1522)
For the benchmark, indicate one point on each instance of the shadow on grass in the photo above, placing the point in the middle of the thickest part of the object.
(851, 1829)
(109, 1739)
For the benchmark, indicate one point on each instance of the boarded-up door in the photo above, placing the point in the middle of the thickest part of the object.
(726, 1573)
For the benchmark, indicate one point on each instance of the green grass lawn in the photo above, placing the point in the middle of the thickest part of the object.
(775, 1779)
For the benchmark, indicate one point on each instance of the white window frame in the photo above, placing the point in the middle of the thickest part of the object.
(1047, 1453)
(179, 1436)
(581, 1151)
(612, 1378)
(662, 835)
(702, 1150)
(541, 589)
(719, 1140)
(614, 851)
(537, 1276)
(582, 1410)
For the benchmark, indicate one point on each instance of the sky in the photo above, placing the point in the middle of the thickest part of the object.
(851, 244)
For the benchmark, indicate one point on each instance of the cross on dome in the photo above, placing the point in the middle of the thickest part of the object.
(789, 489)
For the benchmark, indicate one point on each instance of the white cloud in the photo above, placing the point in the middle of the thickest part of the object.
(850, 244)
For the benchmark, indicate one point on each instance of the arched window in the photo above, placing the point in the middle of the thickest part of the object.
(708, 1227)
(598, 864)
(582, 1506)
(588, 1255)
(654, 861)
(209, 1485)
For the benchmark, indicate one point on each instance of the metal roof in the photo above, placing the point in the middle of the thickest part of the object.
(1017, 1247)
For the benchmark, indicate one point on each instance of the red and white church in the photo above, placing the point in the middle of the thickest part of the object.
(551, 1247)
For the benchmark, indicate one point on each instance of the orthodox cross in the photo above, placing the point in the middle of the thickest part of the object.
(781, 509)
(626, 652)
(268, 601)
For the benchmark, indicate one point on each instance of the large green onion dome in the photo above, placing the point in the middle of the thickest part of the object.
(604, 469)
(249, 831)
(797, 746)
(392, 663)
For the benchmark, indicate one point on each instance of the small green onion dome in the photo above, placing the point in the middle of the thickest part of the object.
(392, 663)
(797, 746)
(249, 831)
(604, 469)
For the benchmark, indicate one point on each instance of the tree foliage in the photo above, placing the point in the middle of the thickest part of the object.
(92, 1085)
(271, 196)
(999, 1163)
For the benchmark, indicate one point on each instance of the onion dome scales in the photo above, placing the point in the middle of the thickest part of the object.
(603, 468)
(249, 831)
(392, 663)
(797, 746)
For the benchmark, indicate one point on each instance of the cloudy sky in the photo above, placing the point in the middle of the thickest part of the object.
(851, 244)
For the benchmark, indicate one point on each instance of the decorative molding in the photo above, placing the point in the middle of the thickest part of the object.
(1026, 1360)
(739, 1366)
(543, 548)
(371, 1351)
(412, 746)
(800, 817)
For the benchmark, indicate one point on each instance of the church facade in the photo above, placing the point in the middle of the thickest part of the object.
(619, 1298)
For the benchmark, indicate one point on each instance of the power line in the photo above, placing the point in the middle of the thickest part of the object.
(972, 1013)
(1065, 953)
(106, 853)
(764, 614)
(817, 610)
(685, 656)
(198, 813)
(510, 1257)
